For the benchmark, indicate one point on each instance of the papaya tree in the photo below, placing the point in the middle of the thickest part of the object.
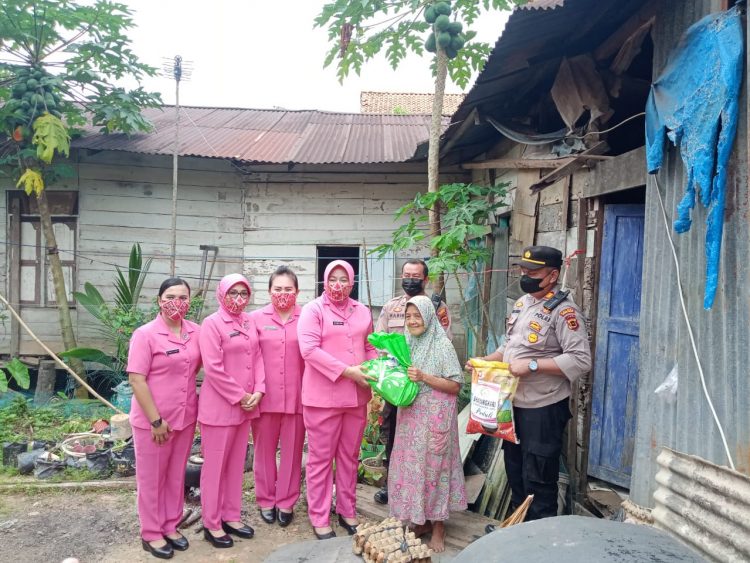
(359, 30)
(60, 64)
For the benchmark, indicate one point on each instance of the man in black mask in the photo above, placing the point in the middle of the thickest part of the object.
(547, 348)
(392, 319)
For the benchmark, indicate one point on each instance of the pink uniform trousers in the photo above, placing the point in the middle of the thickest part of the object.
(160, 476)
(272, 488)
(224, 451)
(332, 434)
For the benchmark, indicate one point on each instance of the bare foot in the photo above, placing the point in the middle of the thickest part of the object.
(421, 529)
(437, 541)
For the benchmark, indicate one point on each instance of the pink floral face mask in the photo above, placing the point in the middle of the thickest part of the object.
(235, 305)
(283, 301)
(338, 292)
(175, 309)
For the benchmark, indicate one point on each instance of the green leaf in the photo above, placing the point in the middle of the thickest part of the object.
(89, 355)
(20, 372)
(3, 382)
(50, 137)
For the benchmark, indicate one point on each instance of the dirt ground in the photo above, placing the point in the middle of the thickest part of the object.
(103, 526)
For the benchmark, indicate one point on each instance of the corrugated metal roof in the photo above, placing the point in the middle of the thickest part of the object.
(721, 333)
(526, 57)
(542, 4)
(273, 136)
(409, 102)
(706, 506)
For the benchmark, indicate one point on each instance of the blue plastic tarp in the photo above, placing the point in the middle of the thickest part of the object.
(694, 103)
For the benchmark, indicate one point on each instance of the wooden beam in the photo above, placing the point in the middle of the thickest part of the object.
(471, 120)
(623, 172)
(579, 161)
(14, 274)
(517, 163)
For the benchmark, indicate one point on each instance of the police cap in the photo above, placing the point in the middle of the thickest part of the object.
(535, 257)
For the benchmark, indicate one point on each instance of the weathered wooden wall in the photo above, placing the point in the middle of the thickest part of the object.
(258, 217)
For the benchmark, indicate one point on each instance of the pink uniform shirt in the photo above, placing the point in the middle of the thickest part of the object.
(282, 360)
(331, 340)
(170, 364)
(233, 366)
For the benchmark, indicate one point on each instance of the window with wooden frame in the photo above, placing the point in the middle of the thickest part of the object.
(30, 270)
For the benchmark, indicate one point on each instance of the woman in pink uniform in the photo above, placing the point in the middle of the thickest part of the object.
(233, 385)
(333, 333)
(163, 361)
(280, 420)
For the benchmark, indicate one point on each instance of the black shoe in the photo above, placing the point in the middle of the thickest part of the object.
(351, 530)
(163, 552)
(221, 541)
(269, 516)
(326, 536)
(180, 544)
(285, 518)
(489, 528)
(245, 531)
(381, 497)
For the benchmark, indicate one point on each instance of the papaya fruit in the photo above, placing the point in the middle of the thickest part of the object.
(444, 40)
(455, 28)
(451, 53)
(431, 45)
(19, 89)
(443, 8)
(457, 42)
(442, 23)
(430, 14)
(32, 84)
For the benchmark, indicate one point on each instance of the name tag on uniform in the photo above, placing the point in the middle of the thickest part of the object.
(270, 328)
(234, 333)
(338, 323)
(170, 352)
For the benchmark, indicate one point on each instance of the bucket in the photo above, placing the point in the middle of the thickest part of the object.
(119, 427)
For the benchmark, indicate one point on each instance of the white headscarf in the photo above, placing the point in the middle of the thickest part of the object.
(432, 351)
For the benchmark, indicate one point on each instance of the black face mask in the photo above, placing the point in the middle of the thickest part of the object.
(412, 286)
(531, 285)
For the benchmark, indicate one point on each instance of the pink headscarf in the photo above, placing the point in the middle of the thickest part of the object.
(225, 285)
(349, 272)
(339, 264)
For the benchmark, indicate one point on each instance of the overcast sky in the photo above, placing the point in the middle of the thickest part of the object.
(265, 54)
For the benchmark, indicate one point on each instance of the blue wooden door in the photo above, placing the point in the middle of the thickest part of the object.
(613, 405)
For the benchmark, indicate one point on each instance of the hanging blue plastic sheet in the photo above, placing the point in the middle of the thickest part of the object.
(695, 103)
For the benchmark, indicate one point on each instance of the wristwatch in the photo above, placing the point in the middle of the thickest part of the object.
(533, 366)
(156, 423)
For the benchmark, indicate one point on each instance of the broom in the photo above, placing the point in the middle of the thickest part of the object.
(519, 514)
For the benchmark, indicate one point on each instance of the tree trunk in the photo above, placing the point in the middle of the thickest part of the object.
(433, 155)
(61, 295)
(45, 382)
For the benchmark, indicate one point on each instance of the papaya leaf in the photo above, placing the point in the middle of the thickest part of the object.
(32, 182)
(50, 137)
(3, 382)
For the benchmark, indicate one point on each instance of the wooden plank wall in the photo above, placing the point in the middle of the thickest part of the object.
(288, 214)
(6, 184)
(259, 218)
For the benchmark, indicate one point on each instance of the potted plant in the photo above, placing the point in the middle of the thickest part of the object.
(371, 442)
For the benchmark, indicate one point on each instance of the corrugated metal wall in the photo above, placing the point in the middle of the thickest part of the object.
(722, 334)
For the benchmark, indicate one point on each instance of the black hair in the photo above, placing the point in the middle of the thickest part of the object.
(171, 282)
(417, 262)
(283, 271)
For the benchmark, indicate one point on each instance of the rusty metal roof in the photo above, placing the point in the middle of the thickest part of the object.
(273, 136)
